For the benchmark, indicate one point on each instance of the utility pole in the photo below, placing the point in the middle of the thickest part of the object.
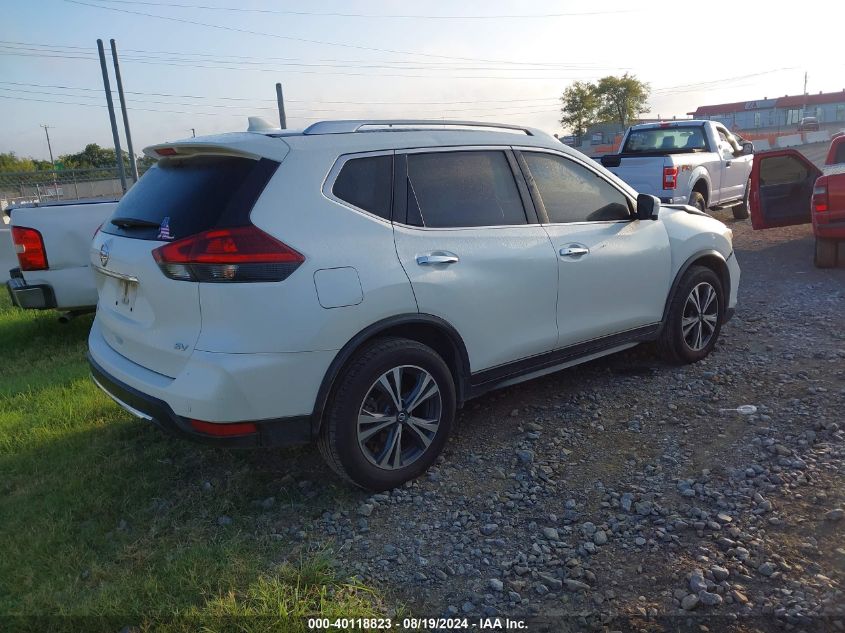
(281, 99)
(107, 87)
(52, 162)
(49, 147)
(132, 163)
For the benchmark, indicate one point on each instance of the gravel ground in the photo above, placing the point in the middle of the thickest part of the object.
(625, 494)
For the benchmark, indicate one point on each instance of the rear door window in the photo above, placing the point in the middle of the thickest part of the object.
(367, 183)
(573, 193)
(462, 189)
(184, 196)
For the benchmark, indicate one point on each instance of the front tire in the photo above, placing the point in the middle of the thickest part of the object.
(695, 317)
(826, 253)
(389, 415)
(697, 200)
(740, 211)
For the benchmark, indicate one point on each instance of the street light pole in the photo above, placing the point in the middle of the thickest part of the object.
(115, 137)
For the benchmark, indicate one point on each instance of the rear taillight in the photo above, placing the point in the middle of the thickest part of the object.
(237, 254)
(29, 247)
(670, 177)
(820, 202)
(224, 429)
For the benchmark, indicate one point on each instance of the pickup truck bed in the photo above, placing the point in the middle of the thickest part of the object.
(62, 278)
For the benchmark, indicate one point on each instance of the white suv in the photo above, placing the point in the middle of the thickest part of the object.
(356, 282)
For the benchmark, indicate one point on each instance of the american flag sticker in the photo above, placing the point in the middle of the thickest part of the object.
(164, 229)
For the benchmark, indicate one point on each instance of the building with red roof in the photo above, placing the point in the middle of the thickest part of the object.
(783, 113)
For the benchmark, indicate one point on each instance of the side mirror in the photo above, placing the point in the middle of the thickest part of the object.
(647, 207)
(747, 148)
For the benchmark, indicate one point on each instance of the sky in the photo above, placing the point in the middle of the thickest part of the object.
(209, 64)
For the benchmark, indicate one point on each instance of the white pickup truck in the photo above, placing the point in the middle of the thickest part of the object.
(52, 243)
(699, 163)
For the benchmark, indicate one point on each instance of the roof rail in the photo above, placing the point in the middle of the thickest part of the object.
(355, 125)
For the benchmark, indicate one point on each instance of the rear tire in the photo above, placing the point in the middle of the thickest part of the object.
(740, 211)
(697, 200)
(695, 317)
(389, 415)
(826, 253)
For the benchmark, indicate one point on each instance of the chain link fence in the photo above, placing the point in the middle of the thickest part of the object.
(60, 184)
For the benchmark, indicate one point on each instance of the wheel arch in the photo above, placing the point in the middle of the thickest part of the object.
(424, 328)
(709, 258)
(701, 183)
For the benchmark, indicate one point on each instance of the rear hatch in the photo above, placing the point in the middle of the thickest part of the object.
(149, 309)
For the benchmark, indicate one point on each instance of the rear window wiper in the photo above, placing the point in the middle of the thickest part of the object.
(134, 223)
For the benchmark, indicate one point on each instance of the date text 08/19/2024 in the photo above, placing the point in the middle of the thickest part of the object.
(493, 624)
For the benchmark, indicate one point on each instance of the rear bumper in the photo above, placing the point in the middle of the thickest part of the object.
(278, 432)
(674, 199)
(829, 230)
(35, 297)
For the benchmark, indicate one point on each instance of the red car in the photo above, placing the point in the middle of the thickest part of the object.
(787, 189)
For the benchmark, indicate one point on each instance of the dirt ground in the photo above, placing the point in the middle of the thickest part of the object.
(625, 494)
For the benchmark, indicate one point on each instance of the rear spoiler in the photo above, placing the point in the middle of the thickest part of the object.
(170, 150)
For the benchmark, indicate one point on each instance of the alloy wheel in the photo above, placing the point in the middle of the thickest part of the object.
(399, 417)
(700, 317)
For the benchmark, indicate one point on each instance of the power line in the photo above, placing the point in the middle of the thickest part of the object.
(249, 110)
(534, 110)
(288, 70)
(365, 15)
(297, 39)
(53, 47)
(345, 101)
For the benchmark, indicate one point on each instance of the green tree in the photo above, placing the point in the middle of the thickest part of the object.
(622, 99)
(579, 108)
(10, 162)
(93, 156)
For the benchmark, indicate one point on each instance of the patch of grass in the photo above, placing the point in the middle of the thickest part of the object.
(107, 522)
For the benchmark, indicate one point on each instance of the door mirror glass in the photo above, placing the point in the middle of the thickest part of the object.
(747, 148)
(647, 207)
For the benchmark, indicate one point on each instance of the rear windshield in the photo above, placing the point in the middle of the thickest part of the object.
(666, 140)
(181, 197)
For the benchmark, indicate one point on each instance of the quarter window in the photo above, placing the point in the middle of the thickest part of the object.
(462, 189)
(367, 183)
(572, 193)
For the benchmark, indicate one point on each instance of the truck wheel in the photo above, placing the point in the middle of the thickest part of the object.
(826, 253)
(697, 200)
(741, 210)
(389, 415)
(695, 317)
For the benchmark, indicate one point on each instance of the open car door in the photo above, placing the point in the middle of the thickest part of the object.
(781, 189)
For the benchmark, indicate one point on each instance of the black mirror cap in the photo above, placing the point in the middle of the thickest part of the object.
(647, 207)
(747, 148)
(611, 160)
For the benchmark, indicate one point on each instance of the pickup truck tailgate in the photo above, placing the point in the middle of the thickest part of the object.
(641, 172)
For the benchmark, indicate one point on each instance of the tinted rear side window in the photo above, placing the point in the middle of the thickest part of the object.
(839, 157)
(462, 189)
(181, 197)
(367, 183)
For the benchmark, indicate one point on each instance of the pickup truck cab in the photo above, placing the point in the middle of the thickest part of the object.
(699, 163)
(52, 243)
(788, 189)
